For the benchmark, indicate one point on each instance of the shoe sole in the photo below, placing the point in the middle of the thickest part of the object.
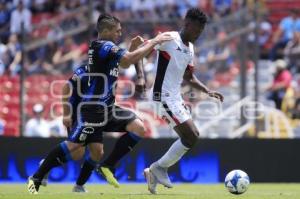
(148, 179)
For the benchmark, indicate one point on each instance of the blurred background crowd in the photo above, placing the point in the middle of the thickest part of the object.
(45, 40)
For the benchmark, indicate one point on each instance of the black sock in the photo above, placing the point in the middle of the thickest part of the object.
(55, 158)
(86, 171)
(123, 145)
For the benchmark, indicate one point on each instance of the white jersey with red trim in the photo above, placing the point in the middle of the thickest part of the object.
(172, 61)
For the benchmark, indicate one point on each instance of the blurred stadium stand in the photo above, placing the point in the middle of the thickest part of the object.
(58, 41)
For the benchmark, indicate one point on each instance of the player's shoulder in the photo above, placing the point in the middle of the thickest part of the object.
(103, 43)
(174, 34)
(191, 46)
(105, 48)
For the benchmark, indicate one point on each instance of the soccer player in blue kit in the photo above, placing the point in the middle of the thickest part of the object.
(89, 104)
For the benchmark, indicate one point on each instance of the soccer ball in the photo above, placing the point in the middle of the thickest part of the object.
(237, 181)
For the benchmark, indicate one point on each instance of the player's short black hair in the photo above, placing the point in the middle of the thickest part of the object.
(106, 21)
(195, 14)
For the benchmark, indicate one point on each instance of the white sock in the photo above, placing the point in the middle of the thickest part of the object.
(173, 155)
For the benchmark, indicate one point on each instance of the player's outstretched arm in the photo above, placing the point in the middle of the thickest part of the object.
(134, 56)
(140, 84)
(195, 83)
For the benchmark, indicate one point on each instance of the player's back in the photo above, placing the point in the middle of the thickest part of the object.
(172, 60)
(94, 83)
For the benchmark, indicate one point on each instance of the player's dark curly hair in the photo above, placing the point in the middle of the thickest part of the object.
(106, 21)
(196, 14)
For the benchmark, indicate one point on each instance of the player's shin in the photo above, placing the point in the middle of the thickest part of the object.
(58, 156)
(123, 145)
(160, 168)
(173, 155)
(86, 170)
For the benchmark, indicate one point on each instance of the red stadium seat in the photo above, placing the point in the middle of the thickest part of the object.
(12, 131)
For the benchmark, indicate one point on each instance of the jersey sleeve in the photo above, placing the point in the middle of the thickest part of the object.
(74, 93)
(76, 76)
(111, 51)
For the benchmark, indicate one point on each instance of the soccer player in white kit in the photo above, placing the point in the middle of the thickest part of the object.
(175, 63)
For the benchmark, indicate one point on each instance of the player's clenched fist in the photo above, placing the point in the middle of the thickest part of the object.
(135, 43)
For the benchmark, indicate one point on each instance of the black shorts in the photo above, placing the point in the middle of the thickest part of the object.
(89, 127)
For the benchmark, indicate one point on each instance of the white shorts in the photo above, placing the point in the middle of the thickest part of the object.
(173, 112)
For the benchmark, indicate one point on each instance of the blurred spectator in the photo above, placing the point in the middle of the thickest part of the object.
(122, 5)
(4, 22)
(296, 110)
(39, 6)
(281, 82)
(55, 31)
(265, 31)
(292, 53)
(70, 54)
(220, 58)
(37, 126)
(204, 74)
(27, 3)
(19, 16)
(3, 58)
(2, 126)
(143, 8)
(48, 54)
(222, 7)
(14, 54)
(285, 32)
(38, 62)
(57, 129)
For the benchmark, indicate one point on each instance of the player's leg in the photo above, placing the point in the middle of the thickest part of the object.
(76, 154)
(188, 134)
(57, 157)
(135, 131)
(179, 118)
(90, 163)
(123, 120)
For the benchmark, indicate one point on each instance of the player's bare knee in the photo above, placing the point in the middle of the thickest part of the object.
(137, 127)
(73, 146)
(96, 151)
(78, 154)
(77, 157)
(101, 154)
(97, 156)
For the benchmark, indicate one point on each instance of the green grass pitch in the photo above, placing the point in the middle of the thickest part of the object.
(139, 191)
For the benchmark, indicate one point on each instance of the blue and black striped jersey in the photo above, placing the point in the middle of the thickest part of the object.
(95, 82)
